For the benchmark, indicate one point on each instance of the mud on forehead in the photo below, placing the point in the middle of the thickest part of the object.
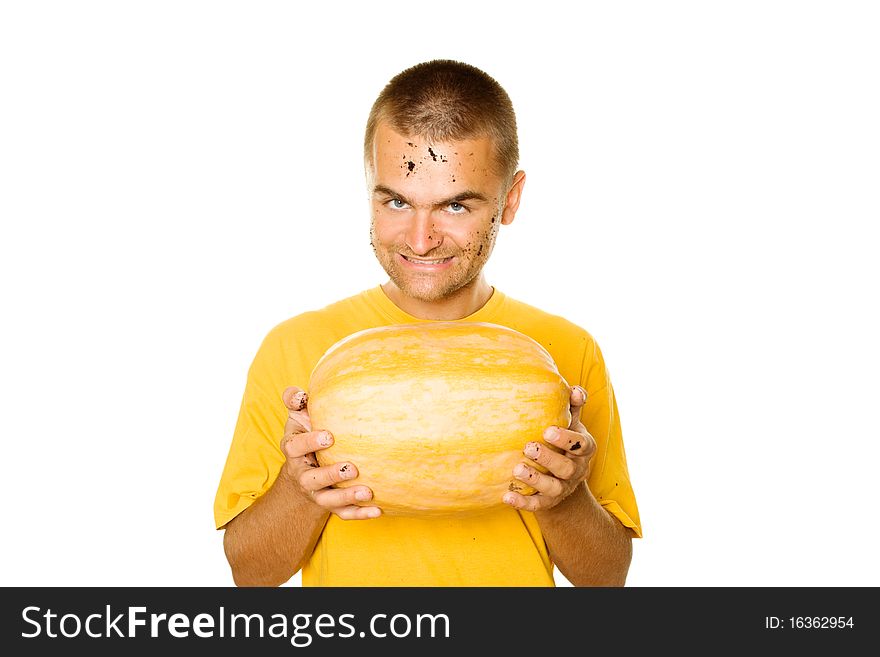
(456, 160)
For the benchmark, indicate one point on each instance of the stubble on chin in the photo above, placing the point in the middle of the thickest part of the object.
(426, 287)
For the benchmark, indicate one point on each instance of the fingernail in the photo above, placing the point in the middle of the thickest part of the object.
(325, 440)
(346, 471)
(509, 498)
(520, 470)
(531, 450)
(298, 402)
(374, 512)
(363, 495)
(551, 434)
(583, 392)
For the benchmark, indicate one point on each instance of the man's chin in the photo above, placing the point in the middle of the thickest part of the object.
(427, 291)
(419, 293)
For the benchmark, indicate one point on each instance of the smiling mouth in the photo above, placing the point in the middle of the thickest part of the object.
(422, 261)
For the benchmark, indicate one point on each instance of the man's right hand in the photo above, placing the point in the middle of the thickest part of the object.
(299, 445)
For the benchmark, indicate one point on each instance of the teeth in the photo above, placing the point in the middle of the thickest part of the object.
(427, 262)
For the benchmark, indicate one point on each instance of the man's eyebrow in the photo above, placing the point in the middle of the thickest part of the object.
(387, 191)
(466, 195)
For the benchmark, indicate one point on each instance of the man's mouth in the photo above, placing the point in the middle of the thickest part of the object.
(426, 261)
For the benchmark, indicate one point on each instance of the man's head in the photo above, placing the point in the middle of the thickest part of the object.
(444, 101)
(440, 153)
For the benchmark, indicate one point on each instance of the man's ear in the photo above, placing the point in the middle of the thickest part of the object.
(514, 194)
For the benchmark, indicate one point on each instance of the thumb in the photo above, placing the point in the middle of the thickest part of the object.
(576, 401)
(296, 401)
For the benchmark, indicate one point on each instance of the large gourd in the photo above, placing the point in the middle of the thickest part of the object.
(435, 415)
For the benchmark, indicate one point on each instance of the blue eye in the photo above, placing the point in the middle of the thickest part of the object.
(457, 208)
(397, 204)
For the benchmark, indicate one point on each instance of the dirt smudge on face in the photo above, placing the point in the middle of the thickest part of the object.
(436, 156)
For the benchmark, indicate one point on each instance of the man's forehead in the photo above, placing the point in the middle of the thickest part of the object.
(389, 142)
(426, 172)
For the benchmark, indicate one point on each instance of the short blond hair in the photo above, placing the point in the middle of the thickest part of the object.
(446, 100)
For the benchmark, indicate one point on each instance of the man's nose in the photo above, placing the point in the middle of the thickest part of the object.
(422, 234)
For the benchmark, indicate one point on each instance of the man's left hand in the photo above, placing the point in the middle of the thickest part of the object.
(565, 455)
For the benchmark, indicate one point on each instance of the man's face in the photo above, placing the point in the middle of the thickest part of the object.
(436, 209)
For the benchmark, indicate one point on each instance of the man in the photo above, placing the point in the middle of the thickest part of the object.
(441, 160)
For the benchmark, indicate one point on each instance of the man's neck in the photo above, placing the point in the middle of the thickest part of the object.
(464, 302)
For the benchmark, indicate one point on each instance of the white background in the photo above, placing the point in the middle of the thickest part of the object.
(702, 196)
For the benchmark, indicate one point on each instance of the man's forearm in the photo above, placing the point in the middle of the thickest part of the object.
(588, 545)
(267, 543)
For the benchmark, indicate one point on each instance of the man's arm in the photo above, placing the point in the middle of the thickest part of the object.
(588, 545)
(267, 543)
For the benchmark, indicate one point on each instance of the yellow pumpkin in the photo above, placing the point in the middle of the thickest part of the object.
(436, 415)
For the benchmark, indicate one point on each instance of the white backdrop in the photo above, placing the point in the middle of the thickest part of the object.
(702, 196)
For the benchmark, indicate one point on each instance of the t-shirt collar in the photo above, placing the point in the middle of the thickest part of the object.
(388, 308)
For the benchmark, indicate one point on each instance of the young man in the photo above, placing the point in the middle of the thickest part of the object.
(441, 159)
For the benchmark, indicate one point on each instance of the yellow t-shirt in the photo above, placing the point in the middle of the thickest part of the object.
(497, 548)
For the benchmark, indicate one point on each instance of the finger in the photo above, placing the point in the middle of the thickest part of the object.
(358, 512)
(296, 401)
(579, 443)
(296, 444)
(315, 479)
(557, 464)
(576, 400)
(336, 498)
(526, 502)
(544, 484)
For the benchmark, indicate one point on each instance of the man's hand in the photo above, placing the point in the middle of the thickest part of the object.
(566, 459)
(299, 446)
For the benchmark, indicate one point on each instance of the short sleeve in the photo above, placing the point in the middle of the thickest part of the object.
(609, 478)
(255, 455)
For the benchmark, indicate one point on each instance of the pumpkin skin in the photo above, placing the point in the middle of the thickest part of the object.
(435, 415)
